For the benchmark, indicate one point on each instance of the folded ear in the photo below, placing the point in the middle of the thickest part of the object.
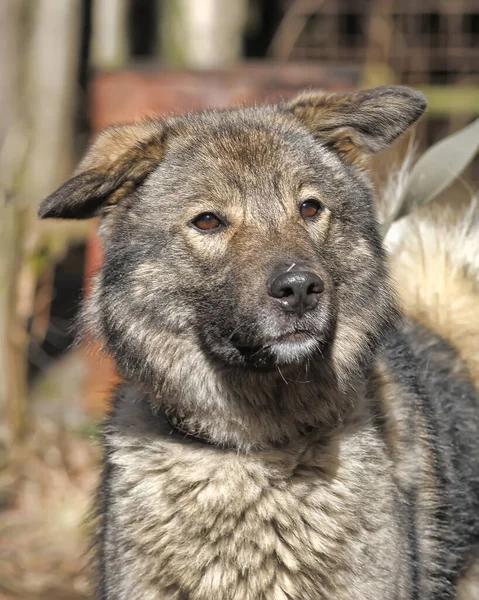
(116, 163)
(359, 123)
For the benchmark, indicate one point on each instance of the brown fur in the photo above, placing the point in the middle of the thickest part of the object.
(118, 161)
(258, 452)
(436, 266)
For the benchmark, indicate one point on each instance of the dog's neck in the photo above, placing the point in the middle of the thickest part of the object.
(248, 410)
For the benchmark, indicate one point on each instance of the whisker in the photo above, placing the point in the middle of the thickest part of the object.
(259, 350)
(234, 331)
(282, 376)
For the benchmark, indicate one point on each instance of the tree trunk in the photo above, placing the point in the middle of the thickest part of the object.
(51, 91)
(12, 150)
(109, 43)
(36, 142)
(202, 34)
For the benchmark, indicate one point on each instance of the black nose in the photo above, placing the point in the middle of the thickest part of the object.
(297, 291)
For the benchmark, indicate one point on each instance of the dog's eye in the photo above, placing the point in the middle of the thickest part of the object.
(207, 221)
(310, 208)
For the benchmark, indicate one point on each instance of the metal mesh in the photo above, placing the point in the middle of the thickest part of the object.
(422, 41)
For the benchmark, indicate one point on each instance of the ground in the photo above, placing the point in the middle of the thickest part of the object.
(46, 491)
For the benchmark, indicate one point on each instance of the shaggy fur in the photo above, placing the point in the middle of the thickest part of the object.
(254, 452)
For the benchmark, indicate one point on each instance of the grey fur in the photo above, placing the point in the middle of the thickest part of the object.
(333, 455)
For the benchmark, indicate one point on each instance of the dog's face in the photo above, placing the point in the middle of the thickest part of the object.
(245, 213)
(250, 232)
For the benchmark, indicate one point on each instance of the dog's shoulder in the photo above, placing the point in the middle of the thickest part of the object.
(428, 412)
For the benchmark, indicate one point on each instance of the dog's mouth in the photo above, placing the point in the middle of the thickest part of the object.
(266, 344)
(293, 346)
(294, 337)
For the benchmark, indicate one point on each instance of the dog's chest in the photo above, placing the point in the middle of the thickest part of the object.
(198, 523)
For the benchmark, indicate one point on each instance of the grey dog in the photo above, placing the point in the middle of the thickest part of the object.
(285, 431)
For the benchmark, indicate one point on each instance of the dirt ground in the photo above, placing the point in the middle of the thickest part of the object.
(46, 491)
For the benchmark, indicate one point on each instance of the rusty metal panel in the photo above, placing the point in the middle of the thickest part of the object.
(123, 96)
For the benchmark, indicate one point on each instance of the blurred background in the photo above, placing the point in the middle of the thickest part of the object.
(67, 69)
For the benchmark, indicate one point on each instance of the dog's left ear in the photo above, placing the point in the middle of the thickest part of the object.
(117, 162)
(359, 123)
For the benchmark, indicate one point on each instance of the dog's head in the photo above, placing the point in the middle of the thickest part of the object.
(250, 233)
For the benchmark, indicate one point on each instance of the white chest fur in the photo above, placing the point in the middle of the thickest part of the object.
(313, 521)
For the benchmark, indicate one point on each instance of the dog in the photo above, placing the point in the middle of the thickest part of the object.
(288, 429)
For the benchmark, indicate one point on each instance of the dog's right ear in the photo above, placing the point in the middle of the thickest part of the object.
(116, 163)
